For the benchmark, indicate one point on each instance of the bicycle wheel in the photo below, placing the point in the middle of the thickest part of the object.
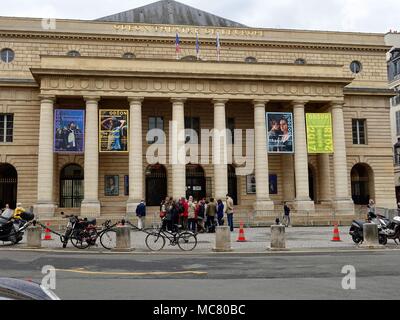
(155, 241)
(81, 240)
(109, 239)
(187, 241)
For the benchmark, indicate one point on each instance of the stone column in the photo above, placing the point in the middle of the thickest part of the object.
(91, 205)
(324, 181)
(135, 156)
(342, 201)
(287, 167)
(303, 201)
(220, 156)
(177, 148)
(45, 204)
(263, 201)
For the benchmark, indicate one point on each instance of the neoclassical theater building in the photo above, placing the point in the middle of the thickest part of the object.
(69, 87)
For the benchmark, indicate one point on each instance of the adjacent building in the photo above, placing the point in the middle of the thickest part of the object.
(81, 102)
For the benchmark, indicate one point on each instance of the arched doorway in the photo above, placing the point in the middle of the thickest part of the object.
(361, 183)
(311, 183)
(195, 182)
(71, 186)
(8, 185)
(232, 183)
(156, 184)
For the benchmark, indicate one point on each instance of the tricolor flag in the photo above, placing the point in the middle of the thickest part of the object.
(218, 46)
(197, 46)
(177, 46)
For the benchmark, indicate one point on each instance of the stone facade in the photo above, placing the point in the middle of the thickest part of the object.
(42, 77)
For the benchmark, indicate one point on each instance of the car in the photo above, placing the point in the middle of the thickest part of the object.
(16, 289)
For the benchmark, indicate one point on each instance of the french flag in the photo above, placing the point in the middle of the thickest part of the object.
(177, 46)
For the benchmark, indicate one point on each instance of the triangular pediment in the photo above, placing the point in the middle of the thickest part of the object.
(170, 12)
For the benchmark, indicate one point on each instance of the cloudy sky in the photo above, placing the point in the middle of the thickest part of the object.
(337, 15)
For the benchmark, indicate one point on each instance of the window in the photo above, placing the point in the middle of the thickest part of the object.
(6, 127)
(192, 124)
(73, 53)
(156, 129)
(128, 55)
(71, 186)
(250, 60)
(398, 123)
(395, 100)
(300, 61)
(359, 134)
(7, 55)
(356, 67)
(230, 125)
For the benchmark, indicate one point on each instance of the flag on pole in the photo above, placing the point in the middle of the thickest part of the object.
(197, 46)
(177, 46)
(218, 47)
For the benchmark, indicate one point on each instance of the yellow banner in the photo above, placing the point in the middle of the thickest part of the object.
(319, 133)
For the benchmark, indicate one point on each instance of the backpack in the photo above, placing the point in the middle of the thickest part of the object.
(201, 210)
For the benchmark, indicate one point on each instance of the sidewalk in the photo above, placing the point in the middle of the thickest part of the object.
(258, 240)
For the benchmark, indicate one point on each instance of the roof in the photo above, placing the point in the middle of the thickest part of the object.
(170, 12)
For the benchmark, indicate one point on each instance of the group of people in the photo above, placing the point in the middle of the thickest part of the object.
(194, 215)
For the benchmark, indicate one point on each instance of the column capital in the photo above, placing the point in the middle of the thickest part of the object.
(178, 100)
(335, 104)
(298, 103)
(135, 99)
(91, 98)
(259, 103)
(48, 97)
(219, 101)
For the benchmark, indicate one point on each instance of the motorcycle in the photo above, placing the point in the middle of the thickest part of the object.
(82, 232)
(11, 229)
(391, 227)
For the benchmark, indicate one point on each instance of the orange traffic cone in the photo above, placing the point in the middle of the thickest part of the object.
(48, 233)
(336, 236)
(241, 237)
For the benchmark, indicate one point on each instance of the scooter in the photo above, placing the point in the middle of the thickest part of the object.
(11, 229)
(357, 227)
(391, 227)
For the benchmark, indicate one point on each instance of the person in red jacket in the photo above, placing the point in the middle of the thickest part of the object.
(184, 215)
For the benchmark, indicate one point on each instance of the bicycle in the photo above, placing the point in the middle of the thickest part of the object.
(186, 240)
(83, 233)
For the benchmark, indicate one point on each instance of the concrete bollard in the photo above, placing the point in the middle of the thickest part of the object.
(222, 239)
(278, 239)
(34, 237)
(370, 234)
(123, 241)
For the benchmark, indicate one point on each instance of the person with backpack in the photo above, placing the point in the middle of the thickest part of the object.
(220, 212)
(229, 211)
(141, 214)
(286, 215)
(200, 215)
(192, 214)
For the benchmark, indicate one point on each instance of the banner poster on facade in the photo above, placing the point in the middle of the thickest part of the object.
(113, 130)
(280, 132)
(69, 131)
(319, 133)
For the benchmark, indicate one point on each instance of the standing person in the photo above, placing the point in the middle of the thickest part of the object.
(169, 214)
(398, 208)
(371, 209)
(201, 215)
(229, 211)
(163, 213)
(184, 214)
(211, 211)
(220, 212)
(174, 209)
(286, 215)
(191, 214)
(141, 214)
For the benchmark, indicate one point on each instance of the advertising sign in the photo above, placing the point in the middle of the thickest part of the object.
(280, 132)
(319, 133)
(69, 131)
(113, 130)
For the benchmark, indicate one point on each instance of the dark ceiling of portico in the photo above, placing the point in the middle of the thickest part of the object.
(170, 12)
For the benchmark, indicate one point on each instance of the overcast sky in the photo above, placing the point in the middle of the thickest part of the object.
(337, 15)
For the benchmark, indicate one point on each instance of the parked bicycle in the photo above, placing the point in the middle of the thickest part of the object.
(83, 233)
(186, 240)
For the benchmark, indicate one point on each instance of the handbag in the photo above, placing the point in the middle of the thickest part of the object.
(162, 214)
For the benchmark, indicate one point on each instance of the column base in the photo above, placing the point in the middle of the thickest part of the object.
(304, 205)
(44, 210)
(264, 208)
(131, 208)
(343, 206)
(90, 209)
